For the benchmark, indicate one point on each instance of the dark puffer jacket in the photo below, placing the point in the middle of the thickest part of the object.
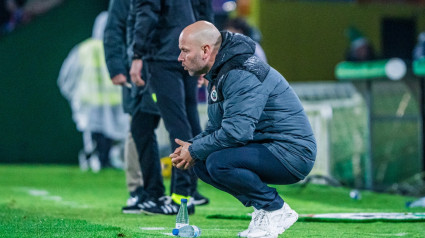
(250, 102)
(114, 41)
(118, 42)
(158, 24)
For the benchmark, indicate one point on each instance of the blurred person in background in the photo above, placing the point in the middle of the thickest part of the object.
(258, 132)
(157, 28)
(222, 10)
(360, 48)
(4, 13)
(115, 44)
(16, 12)
(95, 102)
(142, 163)
(240, 25)
(12, 14)
(419, 50)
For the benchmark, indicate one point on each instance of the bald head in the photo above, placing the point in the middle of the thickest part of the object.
(199, 44)
(202, 32)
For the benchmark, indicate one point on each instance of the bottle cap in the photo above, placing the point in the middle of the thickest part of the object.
(175, 231)
(184, 200)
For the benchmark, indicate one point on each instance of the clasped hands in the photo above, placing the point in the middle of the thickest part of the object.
(181, 157)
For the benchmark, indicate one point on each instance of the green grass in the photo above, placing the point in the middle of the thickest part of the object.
(61, 201)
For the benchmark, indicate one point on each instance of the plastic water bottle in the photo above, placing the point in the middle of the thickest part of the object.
(418, 203)
(182, 218)
(187, 231)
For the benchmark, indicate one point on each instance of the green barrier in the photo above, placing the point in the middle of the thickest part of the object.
(393, 69)
(419, 67)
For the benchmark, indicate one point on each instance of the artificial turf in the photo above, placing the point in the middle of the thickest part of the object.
(62, 201)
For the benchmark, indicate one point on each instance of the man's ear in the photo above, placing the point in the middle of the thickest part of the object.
(206, 50)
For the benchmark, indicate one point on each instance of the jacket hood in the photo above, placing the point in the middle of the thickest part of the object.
(99, 25)
(233, 44)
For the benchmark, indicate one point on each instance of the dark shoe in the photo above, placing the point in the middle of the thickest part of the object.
(132, 200)
(153, 207)
(199, 200)
(190, 208)
(133, 205)
(133, 209)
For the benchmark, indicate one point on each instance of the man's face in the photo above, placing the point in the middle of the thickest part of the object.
(191, 57)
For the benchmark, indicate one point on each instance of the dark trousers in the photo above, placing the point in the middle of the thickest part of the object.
(176, 94)
(103, 146)
(143, 127)
(244, 172)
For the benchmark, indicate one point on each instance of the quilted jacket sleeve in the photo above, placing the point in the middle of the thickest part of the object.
(147, 17)
(244, 101)
(115, 37)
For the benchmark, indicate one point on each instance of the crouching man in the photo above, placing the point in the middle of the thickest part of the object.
(257, 132)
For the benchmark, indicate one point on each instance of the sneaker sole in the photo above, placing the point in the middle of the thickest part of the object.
(153, 213)
(240, 234)
(265, 236)
(150, 213)
(132, 212)
(200, 202)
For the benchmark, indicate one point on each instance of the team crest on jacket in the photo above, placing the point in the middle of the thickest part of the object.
(214, 94)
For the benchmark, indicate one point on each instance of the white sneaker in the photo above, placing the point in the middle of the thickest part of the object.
(262, 226)
(289, 217)
(94, 163)
(251, 224)
(82, 161)
(271, 224)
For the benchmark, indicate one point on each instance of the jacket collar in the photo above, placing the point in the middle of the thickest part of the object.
(233, 45)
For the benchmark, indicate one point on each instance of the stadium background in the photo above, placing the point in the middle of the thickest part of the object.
(303, 40)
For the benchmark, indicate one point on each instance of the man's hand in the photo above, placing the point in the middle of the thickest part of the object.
(119, 79)
(181, 157)
(136, 72)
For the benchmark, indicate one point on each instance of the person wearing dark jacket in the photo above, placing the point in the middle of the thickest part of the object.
(158, 24)
(142, 167)
(257, 133)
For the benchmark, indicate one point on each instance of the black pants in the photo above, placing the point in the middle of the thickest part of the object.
(103, 146)
(143, 127)
(176, 94)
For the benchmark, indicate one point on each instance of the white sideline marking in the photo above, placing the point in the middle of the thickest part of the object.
(168, 234)
(163, 228)
(54, 198)
(171, 234)
(157, 229)
(152, 228)
(45, 195)
(389, 234)
(36, 192)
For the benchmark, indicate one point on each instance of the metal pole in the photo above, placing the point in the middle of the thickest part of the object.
(422, 118)
(369, 159)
